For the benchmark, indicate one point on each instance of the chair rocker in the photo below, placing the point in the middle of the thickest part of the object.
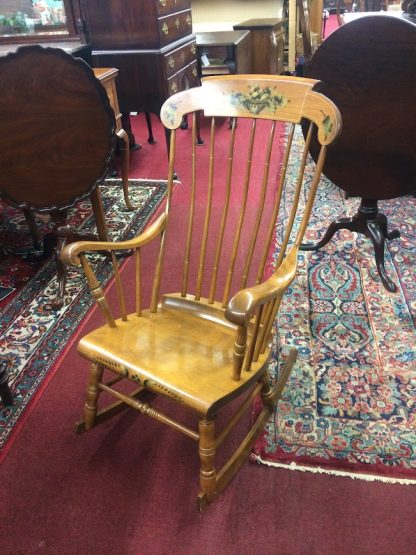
(204, 338)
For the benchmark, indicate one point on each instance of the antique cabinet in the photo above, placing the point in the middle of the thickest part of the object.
(150, 42)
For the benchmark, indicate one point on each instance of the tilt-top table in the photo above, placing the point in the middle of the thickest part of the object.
(57, 140)
(367, 67)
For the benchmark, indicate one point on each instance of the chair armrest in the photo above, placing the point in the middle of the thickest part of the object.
(70, 254)
(241, 307)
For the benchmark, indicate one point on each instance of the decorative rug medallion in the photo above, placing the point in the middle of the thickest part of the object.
(349, 404)
(32, 335)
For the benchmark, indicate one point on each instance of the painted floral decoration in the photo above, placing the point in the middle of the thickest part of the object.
(169, 112)
(326, 124)
(258, 99)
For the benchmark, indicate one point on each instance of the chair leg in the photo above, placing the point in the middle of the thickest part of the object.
(93, 392)
(212, 482)
(266, 393)
(207, 450)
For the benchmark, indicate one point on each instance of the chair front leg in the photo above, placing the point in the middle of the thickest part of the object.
(93, 392)
(207, 451)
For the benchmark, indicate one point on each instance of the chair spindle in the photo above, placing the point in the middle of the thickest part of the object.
(237, 236)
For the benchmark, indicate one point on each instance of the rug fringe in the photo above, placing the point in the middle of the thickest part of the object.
(141, 180)
(342, 473)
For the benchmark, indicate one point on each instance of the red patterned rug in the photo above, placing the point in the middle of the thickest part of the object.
(349, 404)
(32, 335)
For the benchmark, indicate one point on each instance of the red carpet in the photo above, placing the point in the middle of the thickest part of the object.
(128, 487)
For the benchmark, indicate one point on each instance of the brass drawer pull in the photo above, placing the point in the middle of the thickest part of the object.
(165, 29)
(174, 87)
(188, 20)
(171, 61)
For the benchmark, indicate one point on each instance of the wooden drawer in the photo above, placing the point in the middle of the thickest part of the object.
(184, 79)
(164, 7)
(173, 27)
(179, 58)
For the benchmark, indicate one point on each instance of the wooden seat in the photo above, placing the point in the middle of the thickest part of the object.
(204, 339)
(147, 353)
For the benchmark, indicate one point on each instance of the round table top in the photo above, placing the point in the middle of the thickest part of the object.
(57, 129)
(368, 69)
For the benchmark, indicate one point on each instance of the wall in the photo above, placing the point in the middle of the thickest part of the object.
(221, 15)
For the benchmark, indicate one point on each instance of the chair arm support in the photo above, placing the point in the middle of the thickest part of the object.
(241, 307)
(70, 254)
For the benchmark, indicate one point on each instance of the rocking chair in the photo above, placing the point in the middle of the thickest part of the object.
(206, 342)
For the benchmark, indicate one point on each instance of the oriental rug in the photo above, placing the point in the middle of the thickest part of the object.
(33, 335)
(349, 405)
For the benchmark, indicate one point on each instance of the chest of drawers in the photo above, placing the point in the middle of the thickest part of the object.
(151, 44)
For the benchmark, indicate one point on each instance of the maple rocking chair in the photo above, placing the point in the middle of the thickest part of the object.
(206, 341)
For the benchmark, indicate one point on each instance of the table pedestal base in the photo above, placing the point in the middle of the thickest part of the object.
(373, 224)
(54, 242)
